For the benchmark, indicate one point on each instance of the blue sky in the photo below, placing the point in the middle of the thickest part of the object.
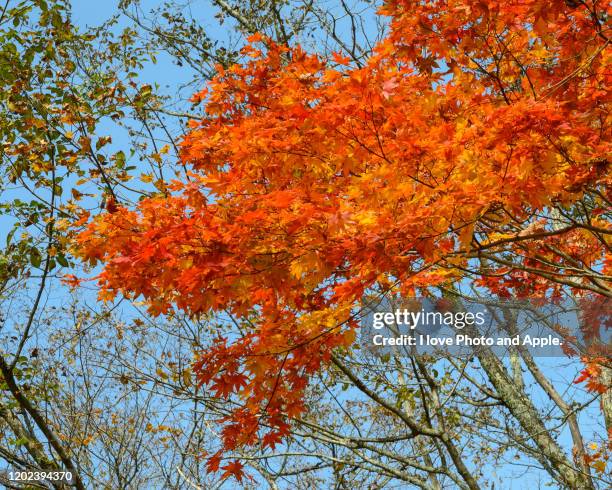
(169, 76)
(561, 370)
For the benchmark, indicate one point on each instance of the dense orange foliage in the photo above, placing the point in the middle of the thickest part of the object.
(315, 181)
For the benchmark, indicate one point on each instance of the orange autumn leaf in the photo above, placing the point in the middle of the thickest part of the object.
(591, 375)
(233, 469)
(313, 185)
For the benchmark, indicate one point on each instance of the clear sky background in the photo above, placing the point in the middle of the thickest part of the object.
(170, 77)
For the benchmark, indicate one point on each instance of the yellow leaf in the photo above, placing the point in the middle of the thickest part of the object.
(366, 218)
(187, 377)
(600, 465)
(160, 372)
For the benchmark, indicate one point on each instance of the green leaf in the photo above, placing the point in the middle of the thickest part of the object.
(61, 260)
(35, 257)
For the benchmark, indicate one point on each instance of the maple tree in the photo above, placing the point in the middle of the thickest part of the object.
(77, 125)
(472, 145)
